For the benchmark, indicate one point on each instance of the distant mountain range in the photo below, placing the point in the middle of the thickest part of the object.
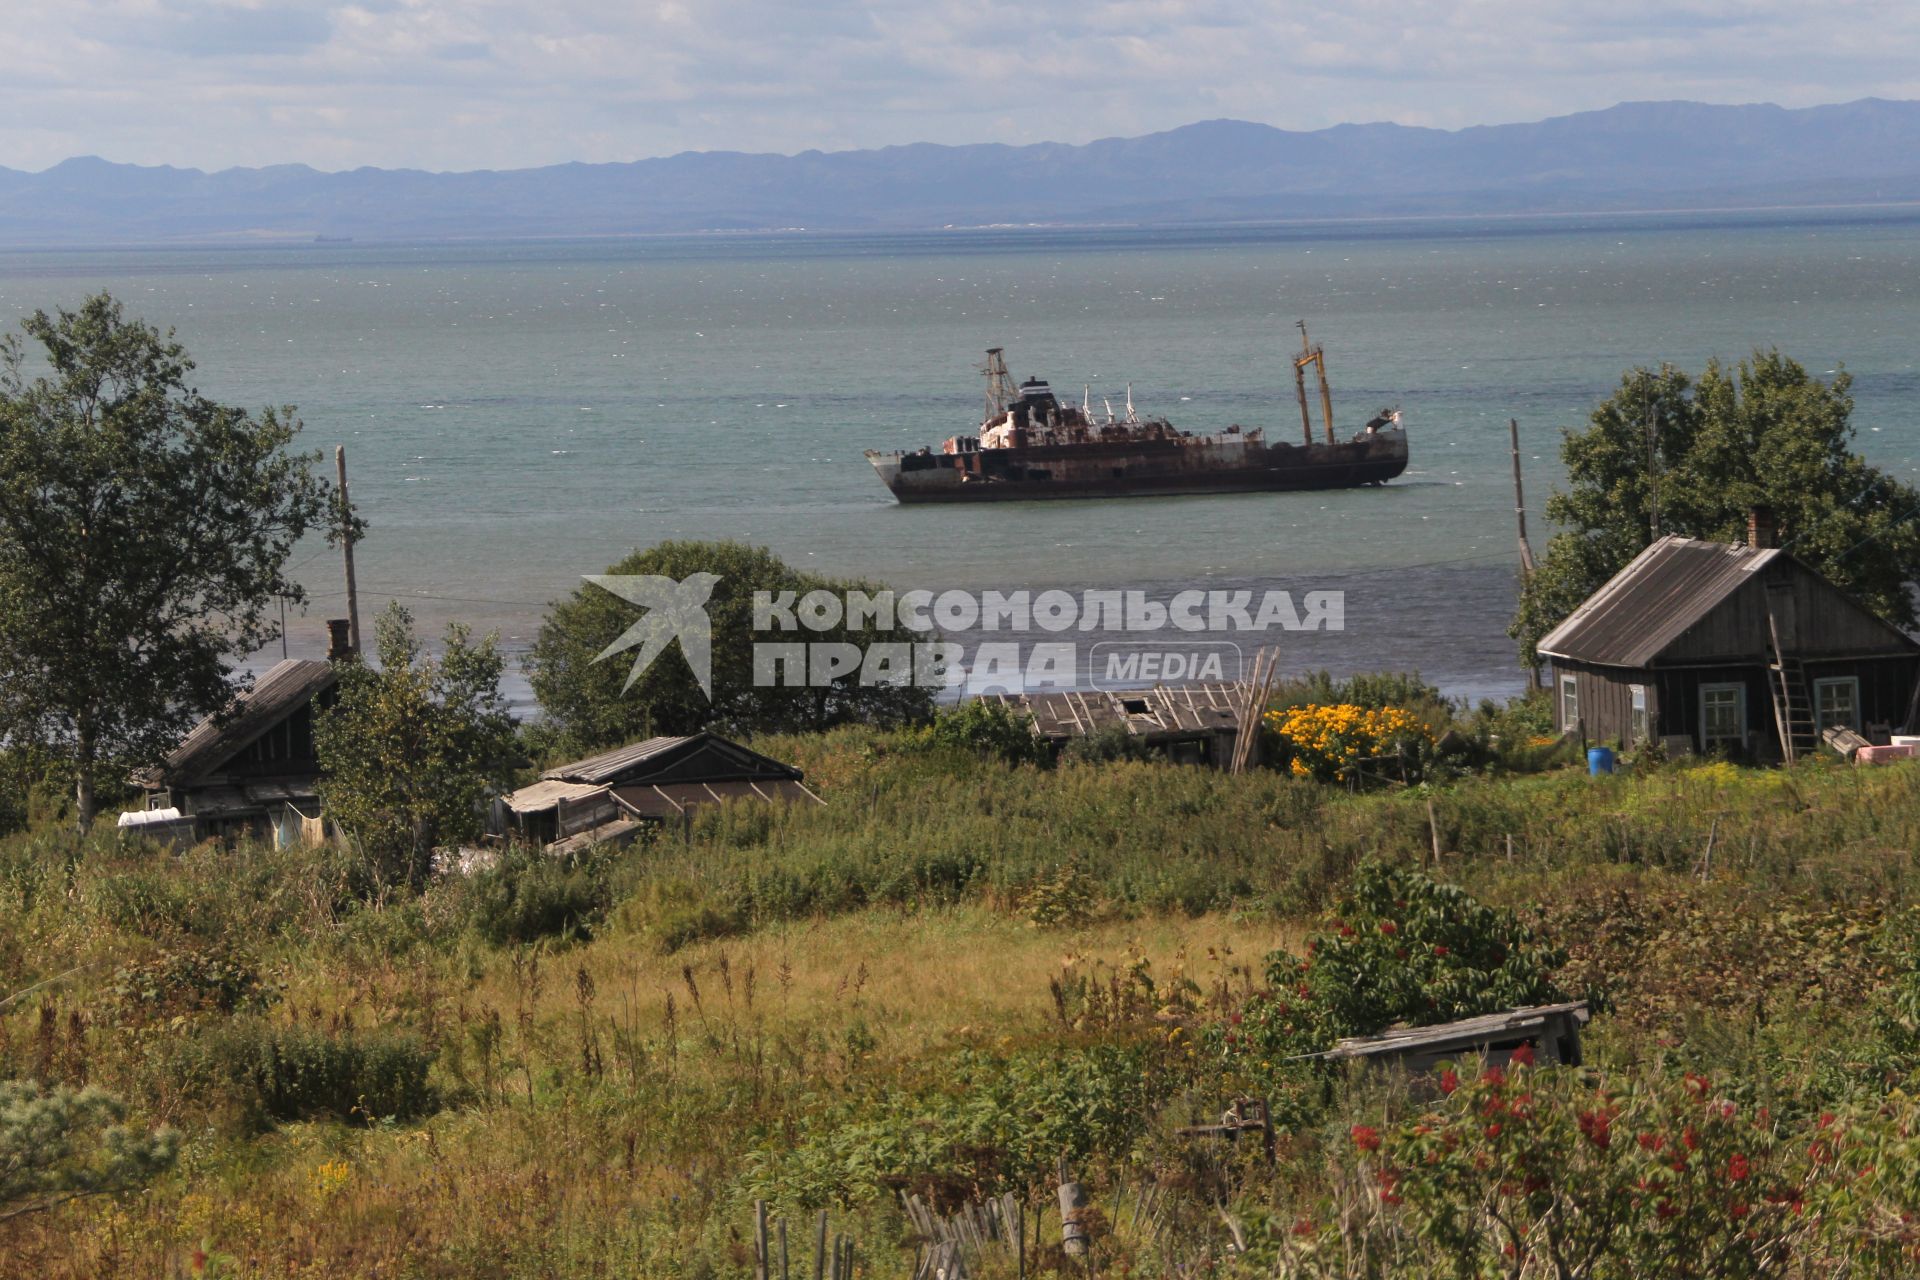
(1642, 155)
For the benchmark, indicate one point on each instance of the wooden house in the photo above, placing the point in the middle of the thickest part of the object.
(611, 797)
(1187, 723)
(1727, 647)
(250, 770)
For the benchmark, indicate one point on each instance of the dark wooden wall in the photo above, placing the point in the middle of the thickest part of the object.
(1673, 697)
(1816, 618)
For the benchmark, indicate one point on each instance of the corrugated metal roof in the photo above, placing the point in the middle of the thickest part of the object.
(275, 695)
(1649, 604)
(549, 792)
(609, 765)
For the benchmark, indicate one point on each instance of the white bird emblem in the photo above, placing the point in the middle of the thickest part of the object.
(676, 610)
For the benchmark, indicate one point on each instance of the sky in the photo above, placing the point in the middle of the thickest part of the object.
(471, 84)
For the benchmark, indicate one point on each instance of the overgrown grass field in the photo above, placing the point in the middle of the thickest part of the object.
(942, 982)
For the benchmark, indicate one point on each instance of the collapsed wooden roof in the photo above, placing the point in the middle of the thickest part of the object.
(1161, 713)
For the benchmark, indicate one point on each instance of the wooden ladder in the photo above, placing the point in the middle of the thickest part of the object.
(1792, 708)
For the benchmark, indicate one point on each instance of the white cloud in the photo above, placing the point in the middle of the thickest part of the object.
(452, 84)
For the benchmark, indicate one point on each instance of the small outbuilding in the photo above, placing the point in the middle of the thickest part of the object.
(1552, 1031)
(1728, 647)
(609, 798)
(1187, 723)
(250, 770)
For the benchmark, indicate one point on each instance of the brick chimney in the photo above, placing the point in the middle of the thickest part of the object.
(338, 644)
(1760, 527)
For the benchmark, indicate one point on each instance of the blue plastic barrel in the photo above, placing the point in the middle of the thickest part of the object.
(1599, 760)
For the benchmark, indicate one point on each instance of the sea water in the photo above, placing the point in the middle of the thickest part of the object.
(519, 414)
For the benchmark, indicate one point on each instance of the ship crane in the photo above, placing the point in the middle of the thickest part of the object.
(1312, 354)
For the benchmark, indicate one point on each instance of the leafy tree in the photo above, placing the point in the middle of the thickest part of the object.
(587, 701)
(61, 1144)
(144, 530)
(410, 750)
(1668, 455)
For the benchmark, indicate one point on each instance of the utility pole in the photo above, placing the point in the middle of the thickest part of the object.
(1520, 515)
(1520, 504)
(1653, 464)
(346, 547)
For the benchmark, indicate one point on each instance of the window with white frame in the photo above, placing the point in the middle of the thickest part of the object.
(1638, 727)
(1836, 701)
(1569, 702)
(1723, 716)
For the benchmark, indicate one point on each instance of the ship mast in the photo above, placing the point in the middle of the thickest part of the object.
(1312, 354)
(1000, 389)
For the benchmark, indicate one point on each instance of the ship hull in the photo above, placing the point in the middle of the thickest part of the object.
(1189, 465)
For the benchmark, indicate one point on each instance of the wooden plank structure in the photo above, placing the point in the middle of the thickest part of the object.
(1552, 1029)
(1243, 1115)
(950, 1244)
(770, 1255)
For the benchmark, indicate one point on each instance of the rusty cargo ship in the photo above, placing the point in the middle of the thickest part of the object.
(1032, 445)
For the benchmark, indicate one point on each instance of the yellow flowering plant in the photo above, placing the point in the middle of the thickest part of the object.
(1328, 742)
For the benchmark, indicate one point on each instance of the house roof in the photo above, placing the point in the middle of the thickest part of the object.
(705, 757)
(283, 689)
(1648, 605)
(549, 793)
(608, 765)
(1164, 711)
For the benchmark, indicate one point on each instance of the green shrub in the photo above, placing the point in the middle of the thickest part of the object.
(990, 1122)
(992, 730)
(1402, 948)
(1524, 1171)
(1104, 746)
(265, 1071)
(186, 981)
(675, 913)
(527, 895)
(1065, 899)
(1406, 948)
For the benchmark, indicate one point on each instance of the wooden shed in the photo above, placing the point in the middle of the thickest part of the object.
(610, 797)
(1188, 723)
(1553, 1031)
(1729, 647)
